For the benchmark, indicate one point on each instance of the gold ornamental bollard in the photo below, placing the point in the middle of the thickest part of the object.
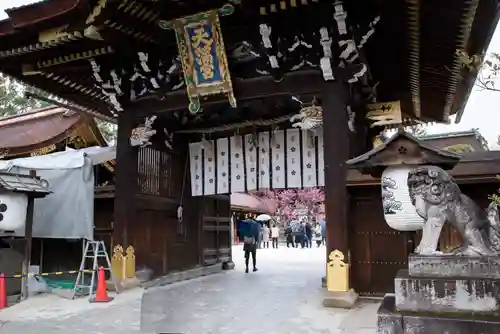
(337, 272)
(118, 263)
(130, 262)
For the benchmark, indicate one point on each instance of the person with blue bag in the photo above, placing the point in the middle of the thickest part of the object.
(251, 232)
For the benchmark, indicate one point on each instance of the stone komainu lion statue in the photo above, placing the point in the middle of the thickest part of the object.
(438, 199)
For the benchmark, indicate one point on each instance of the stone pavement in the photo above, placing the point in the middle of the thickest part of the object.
(284, 296)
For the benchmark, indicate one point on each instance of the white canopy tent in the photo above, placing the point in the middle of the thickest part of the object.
(67, 213)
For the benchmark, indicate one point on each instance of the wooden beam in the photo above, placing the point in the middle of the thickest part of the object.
(295, 83)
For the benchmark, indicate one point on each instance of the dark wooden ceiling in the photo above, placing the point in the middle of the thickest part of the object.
(128, 27)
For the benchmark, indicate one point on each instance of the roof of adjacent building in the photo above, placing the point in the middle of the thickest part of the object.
(42, 128)
(469, 137)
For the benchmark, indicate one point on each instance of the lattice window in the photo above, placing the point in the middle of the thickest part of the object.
(154, 171)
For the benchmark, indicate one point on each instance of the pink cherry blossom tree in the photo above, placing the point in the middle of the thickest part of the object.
(292, 200)
(311, 199)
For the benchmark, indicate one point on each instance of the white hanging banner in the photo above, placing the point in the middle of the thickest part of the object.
(308, 159)
(251, 146)
(237, 170)
(278, 159)
(209, 169)
(321, 158)
(196, 168)
(223, 166)
(242, 163)
(293, 167)
(264, 165)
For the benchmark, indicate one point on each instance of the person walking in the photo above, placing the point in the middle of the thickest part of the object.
(309, 235)
(317, 234)
(289, 237)
(323, 231)
(301, 237)
(259, 239)
(250, 245)
(275, 233)
(296, 233)
(266, 231)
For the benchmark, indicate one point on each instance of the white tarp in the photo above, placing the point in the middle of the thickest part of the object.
(63, 160)
(68, 212)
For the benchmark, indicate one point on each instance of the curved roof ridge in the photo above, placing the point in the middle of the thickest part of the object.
(32, 114)
(46, 9)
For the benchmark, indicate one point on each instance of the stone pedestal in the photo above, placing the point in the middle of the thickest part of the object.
(340, 299)
(229, 265)
(443, 294)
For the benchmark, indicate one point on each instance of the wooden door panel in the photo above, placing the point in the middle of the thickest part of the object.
(377, 251)
(216, 230)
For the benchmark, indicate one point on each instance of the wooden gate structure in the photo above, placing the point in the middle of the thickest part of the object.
(247, 67)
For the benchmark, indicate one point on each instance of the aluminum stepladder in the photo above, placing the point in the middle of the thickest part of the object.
(94, 250)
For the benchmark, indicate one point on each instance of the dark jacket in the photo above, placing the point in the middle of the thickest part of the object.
(255, 230)
(309, 232)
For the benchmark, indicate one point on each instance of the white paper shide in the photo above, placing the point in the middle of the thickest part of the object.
(399, 212)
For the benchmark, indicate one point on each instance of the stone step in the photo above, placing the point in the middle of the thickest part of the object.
(454, 266)
(447, 294)
(391, 321)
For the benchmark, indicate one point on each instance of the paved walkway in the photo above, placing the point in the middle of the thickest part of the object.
(284, 296)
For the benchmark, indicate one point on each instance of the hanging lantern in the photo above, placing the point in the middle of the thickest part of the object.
(13, 211)
(399, 212)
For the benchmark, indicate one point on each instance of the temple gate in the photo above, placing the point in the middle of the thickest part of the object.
(170, 72)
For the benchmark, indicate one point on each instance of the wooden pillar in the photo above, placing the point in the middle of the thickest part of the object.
(28, 236)
(125, 180)
(336, 138)
(336, 146)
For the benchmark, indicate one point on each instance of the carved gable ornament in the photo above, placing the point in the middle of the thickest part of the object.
(203, 56)
(402, 149)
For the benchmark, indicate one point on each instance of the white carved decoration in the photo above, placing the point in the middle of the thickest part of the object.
(117, 81)
(179, 213)
(308, 118)
(13, 211)
(351, 118)
(326, 60)
(399, 212)
(369, 33)
(95, 70)
(349, 50)
(168, 140)
(265, 32)
(340, 16)
(299, 41)
(141, 135)
(143, 58)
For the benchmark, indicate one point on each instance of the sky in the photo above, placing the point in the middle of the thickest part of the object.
(479, 112)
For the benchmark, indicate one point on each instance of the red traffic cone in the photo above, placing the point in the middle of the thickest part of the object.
(3, 292)
(101, 293)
